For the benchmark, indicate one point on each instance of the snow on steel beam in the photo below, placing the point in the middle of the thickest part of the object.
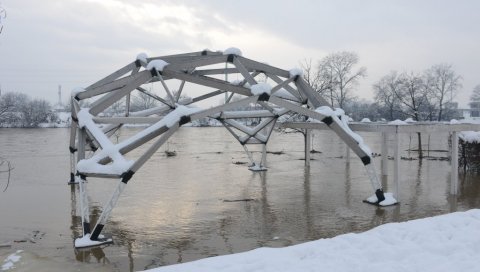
(313, 97)
(100, 175)
(262, 67)
(289, 88)
(231, 131)
(207, 81)
(167, 90)
(244, 71)
(126, 120)
(154, 96)
(179, 115)
(246, 114)
(106, 101)
(332, 121)
(233, 105)
(281, 85)
(179, 91)
(108, 87)
(185, 56)
(148, 154)
(208, 95)
(122, 71)
(195, 62)
(220, 71)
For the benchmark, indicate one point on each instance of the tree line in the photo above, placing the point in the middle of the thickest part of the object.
(19, 110)
(425, 96)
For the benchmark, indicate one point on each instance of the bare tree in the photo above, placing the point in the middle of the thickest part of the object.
(5, 169)
(3, 15)
(35, 112)
(443, 84)
(386, 90)
(11, 104)
(336, 70)
(413, 96)
(320, 82)
(475, 97)
(142, 101)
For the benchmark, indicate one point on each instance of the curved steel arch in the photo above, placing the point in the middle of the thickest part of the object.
(281, 92)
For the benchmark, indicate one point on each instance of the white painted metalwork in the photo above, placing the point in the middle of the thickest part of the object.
(250, 118)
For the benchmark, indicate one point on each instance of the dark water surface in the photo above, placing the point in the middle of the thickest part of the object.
(191, 206)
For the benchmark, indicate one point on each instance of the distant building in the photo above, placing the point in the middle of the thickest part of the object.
(473, 112)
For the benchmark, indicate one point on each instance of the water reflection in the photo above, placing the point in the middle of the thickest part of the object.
(173, 210)
(213, 208)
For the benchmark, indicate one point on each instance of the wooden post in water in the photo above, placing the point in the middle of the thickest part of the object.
(454, 164)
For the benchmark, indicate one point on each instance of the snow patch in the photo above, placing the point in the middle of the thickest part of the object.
(295, 72)
(454, 121)
(261, 88)
(442, 243)
(470, 136)
(142, 57)
(365, 120)
(158, 64)
(233, 51)
(397, 122)
(410, 120)
(9, 262)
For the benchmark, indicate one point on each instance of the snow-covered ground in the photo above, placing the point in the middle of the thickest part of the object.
(444, 243)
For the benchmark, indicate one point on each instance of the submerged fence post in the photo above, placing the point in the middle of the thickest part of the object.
(308, 142)
(384, 166)
(454, 164)
(396, 167)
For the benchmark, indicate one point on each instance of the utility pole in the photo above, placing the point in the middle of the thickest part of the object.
(60, 95)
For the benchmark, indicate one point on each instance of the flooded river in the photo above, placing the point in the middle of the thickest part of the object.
(204, 201)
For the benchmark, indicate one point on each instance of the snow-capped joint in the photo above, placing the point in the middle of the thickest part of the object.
(295, 72)
(76, 91)
(325, 110)
(233, 51)
(157, 65)
(142, 57)
(261, 88)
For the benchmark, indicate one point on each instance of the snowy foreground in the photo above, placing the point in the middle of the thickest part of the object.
(444, 243)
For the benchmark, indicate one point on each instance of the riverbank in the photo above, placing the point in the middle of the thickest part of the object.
(443, 243)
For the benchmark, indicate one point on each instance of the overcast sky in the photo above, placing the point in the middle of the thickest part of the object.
(74, 43)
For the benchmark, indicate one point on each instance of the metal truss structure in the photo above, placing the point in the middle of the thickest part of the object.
(274, 92)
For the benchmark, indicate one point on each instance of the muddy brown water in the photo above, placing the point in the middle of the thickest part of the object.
(204, 202)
